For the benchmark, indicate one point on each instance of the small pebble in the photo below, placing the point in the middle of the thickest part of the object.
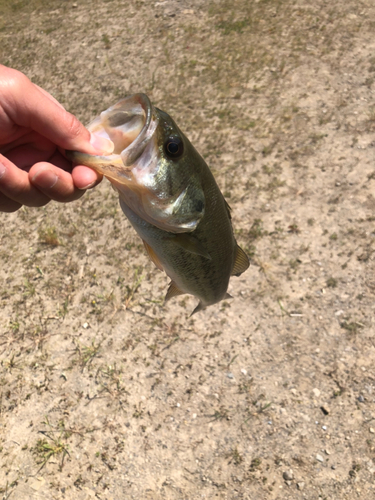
(316, 392)
(85, 325)
(361, 399)
(243, 371)
(230, 375)
(300, 485)
(288, 475)
(319, 458)
(333, 467)
(325, 410)
(324, 427)
(372, 430)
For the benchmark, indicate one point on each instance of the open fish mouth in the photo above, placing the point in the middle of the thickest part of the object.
(150, 164)
(130, 125)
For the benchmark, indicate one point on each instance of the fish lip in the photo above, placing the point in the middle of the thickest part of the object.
(119, 166)
(131, 154)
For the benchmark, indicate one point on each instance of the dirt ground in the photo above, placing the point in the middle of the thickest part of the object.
(108, 394)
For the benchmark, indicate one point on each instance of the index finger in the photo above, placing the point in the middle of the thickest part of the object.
(28, 106)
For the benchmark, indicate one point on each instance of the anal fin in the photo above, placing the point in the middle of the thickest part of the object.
(153, 256)
(241, 262)
(199, 307)
(173, 291)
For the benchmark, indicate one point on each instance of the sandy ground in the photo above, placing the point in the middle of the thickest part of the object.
(106, 393)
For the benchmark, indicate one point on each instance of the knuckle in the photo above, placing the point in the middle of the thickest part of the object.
(73, 126)
(13, 82)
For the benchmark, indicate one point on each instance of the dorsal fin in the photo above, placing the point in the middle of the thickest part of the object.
(153, 256)
(173, 291)
(241, 262)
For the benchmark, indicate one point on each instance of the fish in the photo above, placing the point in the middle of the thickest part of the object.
(171, 198)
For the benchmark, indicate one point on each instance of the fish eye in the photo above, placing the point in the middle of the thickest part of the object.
(174, 147)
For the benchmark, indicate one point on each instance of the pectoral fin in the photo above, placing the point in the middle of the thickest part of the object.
(153, 256)
(191, 244)
(241, 262)
(173, 291)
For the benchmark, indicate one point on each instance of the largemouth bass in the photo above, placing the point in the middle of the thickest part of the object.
(170, 197)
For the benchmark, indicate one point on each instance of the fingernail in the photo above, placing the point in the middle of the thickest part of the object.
(92, 184)
(45, 179)
(2, 170)
(103, 145)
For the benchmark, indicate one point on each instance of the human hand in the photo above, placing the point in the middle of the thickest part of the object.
(34, 132)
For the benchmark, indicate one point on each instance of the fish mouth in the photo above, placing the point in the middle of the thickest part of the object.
(130, 125)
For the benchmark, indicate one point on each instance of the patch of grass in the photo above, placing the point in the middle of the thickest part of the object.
(16, 6)
(228, 27)
(294, 263)
(51, 447)
(274, 184)
(106, 41)
(86, 353)
(245, 387)
(11, 363)
(235, 457)
(29, 288)
(14, 326)
(255, 464)
(45, 450)
(111, 382)
(331, 282)
(256, 231)
(353, 327)
(132, 289)
(48, 236)
(315, 138)
(220, 414)
(354, 470)
(293, 228)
